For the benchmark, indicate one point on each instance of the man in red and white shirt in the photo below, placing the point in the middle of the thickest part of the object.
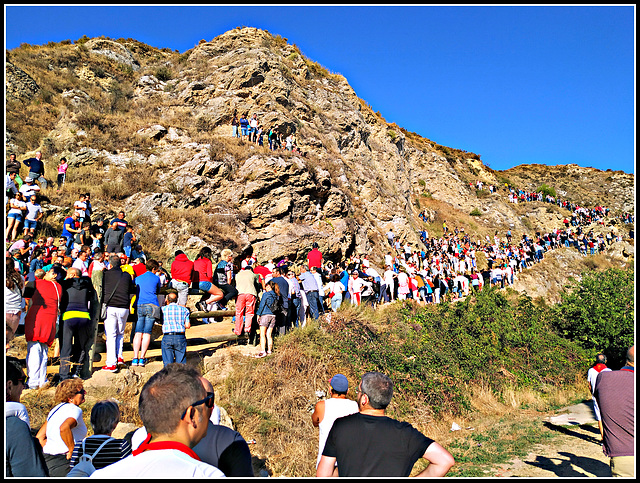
(173, 408)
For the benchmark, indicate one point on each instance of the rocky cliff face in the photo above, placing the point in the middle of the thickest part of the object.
(148, 130)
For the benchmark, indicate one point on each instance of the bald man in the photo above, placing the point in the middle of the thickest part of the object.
(615, 395)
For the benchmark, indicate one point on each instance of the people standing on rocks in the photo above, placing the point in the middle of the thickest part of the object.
(247, 284)
(36, 169)
(78, 309)
(17, 209)
(33, 215)
(615, 395)
(368, 443)
(234, 124)
(244, 126)
(63, 166)
(175, 322)
(253, 129)
(40, 326)
(266, 313)
(147, 287)
(117, 289)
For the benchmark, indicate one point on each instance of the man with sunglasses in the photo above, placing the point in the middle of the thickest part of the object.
(368, 443)
(173, 407)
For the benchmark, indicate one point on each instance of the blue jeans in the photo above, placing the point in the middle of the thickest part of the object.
(69, 245)
(312, 298)
(295, 307)
(336, 301)
(145, 318)
(174, 349)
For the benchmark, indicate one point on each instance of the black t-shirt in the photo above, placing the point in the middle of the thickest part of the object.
(366, 445)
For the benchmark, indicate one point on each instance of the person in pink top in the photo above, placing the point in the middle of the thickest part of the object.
(62, 172)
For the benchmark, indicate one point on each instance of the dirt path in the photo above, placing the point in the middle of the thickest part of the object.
(575, 452)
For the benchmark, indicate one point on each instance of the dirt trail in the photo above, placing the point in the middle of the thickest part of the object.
(576, 452)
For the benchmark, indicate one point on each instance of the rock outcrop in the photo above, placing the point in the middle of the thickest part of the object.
(155, 126)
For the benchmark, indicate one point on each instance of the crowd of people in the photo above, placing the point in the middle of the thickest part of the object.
(58, 289)
(252, 131)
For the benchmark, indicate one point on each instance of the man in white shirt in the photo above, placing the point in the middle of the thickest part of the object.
(327, 411)
(29, 188)
(173, 408)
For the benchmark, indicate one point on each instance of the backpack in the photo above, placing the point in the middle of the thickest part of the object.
(85, 467)
(276, 305)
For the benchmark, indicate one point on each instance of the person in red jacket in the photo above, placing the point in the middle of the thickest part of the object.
(40, 326)
(181, 276)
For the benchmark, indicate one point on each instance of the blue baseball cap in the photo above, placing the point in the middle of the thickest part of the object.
(339, 383)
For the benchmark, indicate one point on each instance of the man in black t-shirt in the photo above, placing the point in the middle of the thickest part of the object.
(369, 443)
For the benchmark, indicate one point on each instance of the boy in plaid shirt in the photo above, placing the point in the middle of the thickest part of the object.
(175, 322)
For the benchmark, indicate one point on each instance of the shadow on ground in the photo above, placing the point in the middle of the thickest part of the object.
(575, 434)
(571, 466)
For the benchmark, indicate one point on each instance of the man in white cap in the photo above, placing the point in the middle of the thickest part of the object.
(327, 411)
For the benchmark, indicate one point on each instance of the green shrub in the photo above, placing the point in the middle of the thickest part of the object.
(546, 190)
(475, 212)
(164, 73)
(598, 313)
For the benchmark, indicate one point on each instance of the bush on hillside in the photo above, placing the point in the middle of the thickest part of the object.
(546, 190)
(435, 352)
(598, 313)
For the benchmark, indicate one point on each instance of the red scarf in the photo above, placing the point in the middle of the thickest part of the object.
(164, 445)
(598, 367)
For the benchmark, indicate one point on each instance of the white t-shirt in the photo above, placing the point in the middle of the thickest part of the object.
(592, 375)
(16, 206)
(17, 409)
(388, 277)
(165, 463)
(58, 415)
(32, 210)
(28, 190)
(334, 408)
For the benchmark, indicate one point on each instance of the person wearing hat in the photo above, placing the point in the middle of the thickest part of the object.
(369, 443)
(327, 411)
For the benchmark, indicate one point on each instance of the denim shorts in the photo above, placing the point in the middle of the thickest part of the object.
(30, 224)
(205, 286)
(145, 319)
(17, 216)
(244, 131)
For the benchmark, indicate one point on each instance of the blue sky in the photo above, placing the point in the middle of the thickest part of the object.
(517, 85)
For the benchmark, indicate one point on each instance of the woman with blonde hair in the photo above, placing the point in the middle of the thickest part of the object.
(64, 427)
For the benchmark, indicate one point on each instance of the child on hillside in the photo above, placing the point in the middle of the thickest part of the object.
(62, 172)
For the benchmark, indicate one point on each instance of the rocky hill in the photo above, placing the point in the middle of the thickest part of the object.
(147, 130)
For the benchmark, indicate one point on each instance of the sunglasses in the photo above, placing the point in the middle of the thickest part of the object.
(207, 401)
(81, 391)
